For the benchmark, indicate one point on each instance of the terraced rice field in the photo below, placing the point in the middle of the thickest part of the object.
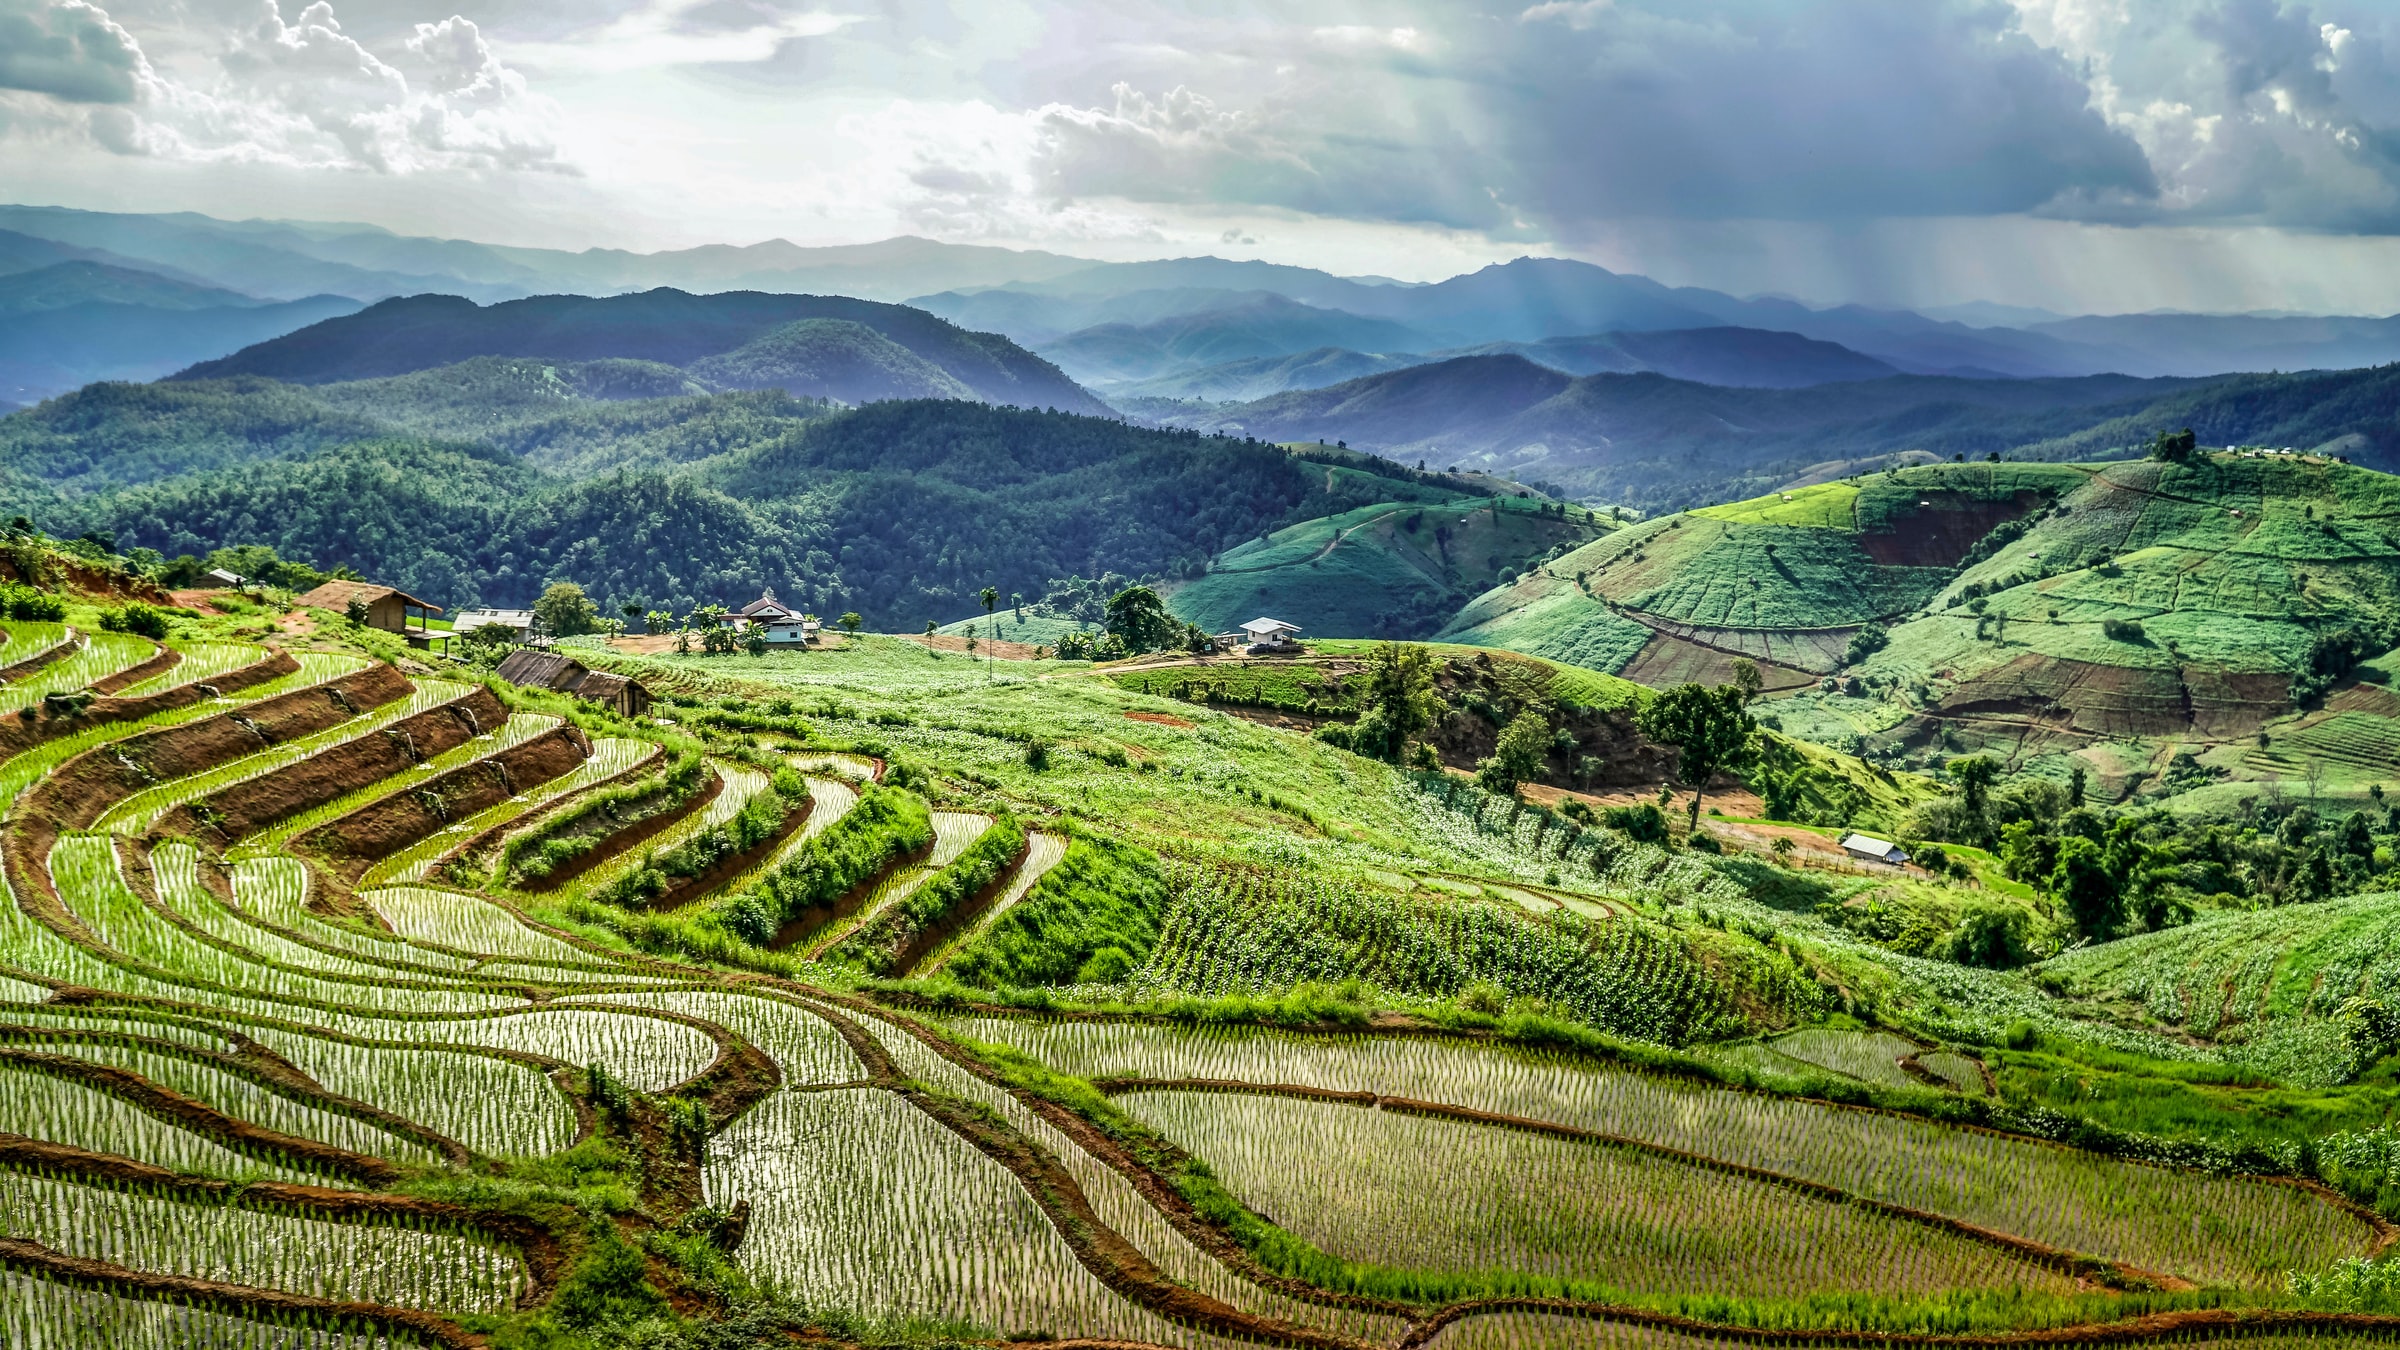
(1445, 1195)
(2212, 1229)
(274, 1108)
(953, 831)
(202, 663)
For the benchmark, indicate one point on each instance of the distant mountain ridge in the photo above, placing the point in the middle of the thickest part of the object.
(914, 354)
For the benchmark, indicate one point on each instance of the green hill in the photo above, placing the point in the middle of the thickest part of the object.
(1393, 569)
(2124, 613)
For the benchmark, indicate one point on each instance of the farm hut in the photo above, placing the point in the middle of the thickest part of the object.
(1269, 635)
(221, 577)
(564, 674)
(387, 607)
(778, 623)
(1873, 850)
(517, 621)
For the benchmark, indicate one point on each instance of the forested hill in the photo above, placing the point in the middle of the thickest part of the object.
(901, 510)
(1665, 443)
(854, 350)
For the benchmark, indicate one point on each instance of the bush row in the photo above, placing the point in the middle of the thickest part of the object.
(877, 947)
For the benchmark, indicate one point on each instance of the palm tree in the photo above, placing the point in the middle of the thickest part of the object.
(990, 596)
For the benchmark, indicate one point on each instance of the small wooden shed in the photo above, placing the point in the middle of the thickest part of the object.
(564, 674)
(387, 607)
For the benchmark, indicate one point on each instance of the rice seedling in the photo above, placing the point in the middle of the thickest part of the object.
(804, 1046)
(123, 1021)
(42, 1315)
(650, 1054)
(953, 832)
(1870, 1056)
(518, 729)
(741, 784)
(493, 1106)
(1122, 1208)
(202, 663)
(275, 891)
(243, 1099)
(85, 870)
(139, 811)
(1425, 1194)
(2213, 1229)
(610, 756)
(29, 638)
(469, 923)
(830, 800)
(99, 656)
(24, 770)
(1042, 852)
(857, 768)
(39, 1106)
(1956, 1069)
(860, 1201)
(1556, 1331)
(406, 1266)
(176, 870)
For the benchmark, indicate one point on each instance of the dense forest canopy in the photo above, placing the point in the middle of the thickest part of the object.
(901, 511)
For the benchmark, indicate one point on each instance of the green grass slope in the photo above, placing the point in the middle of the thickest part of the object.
(1393, 569)
(1783, 578)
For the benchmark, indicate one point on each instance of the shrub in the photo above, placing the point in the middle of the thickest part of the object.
(136, 618)
(25, 603)
(2122, 630)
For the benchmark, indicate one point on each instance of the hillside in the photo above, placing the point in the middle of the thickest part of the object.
(435, 942)
(1396, 569)
(2107, 616)
(670, 327)
(1656, 442)
(900, 510)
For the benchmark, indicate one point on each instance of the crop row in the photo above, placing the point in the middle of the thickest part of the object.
(610, 756)
(518, 729)
(243, 1099)
(176, 869)
(2214, 1229)
(493, 1106)
(1118, 1205)
(202, 663)
(137, 812)
(85, 870)
(35, 1312)
(1424, 1194)
(347, 1262)
(1043, 850)
(40, 1106)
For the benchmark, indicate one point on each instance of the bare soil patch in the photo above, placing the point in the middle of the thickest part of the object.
(1157, 719)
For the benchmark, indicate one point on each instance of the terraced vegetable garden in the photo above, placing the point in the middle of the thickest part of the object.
(286, 1060)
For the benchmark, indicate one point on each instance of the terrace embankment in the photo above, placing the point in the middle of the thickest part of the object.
(352, 843)
(609, 844)
(236, 811)
(38, 723)
(2092, 702)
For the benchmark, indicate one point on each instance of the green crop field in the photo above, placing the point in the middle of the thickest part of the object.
(884, 995)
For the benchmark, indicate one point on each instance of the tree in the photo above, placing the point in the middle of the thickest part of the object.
(1865, 643)
(1975, 776)
(1708, 728)
(355, 612)
(850, 622)
(1139, 619)
(633, 610)
(1016, 601)
(754, 641)
(1523, 745)
(2077, 779)
(565, 611)
(2174, 447)
(658, 620)
(1400, 688)
(2081, 880)
(990, 596)
(1748, 680)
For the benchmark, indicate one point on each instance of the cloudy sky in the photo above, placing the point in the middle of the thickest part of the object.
(2086, 155)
